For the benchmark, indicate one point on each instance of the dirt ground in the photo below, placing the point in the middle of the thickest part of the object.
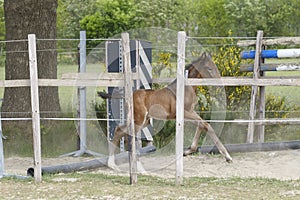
(282, 165)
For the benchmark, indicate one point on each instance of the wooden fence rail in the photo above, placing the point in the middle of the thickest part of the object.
(248, 81)
(119, 82)
(268, 42)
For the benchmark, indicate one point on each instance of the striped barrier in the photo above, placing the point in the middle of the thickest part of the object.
(141, 58)
(271, 67)
(279, 53)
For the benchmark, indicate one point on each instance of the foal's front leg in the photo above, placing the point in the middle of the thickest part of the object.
(210, 132)
(194, 146)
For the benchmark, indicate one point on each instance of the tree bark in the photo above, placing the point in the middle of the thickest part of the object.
(23, 18)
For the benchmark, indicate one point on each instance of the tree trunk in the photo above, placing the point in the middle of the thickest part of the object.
(23, 18)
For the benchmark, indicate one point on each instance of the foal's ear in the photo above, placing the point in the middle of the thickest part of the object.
(208, 55)
(205, 55)
(188, 66)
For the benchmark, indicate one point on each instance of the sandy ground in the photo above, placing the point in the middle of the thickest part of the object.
(283, 165)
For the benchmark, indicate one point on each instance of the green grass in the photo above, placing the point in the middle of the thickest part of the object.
(292, 93)
(89, 185)
(68, 95)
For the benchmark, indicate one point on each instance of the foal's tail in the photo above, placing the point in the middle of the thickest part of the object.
(105, 95)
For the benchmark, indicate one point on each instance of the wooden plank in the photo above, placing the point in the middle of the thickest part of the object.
(237, 81)
(180, 106)
(275, 41)
(98, 76)
(64, 82)
(14, 83)
(268, 122)
(78, 83)
(224, 81)
(256, 74)
(129, 106)
(272, 67)
(35, 108)
(162, 80)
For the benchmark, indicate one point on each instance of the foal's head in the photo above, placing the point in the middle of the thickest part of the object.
(203, 67)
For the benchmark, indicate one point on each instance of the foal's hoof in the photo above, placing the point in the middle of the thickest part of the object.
(112, 165)
(228, 159)
(188, 151)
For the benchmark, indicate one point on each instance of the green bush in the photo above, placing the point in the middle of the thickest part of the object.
(228, 60)
(278, 107)
(101, 113)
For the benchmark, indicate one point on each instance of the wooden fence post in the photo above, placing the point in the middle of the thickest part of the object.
(35, 107)
(256, 74)
(262, 104)
(129, 106)
(180, 106)
(1, 151)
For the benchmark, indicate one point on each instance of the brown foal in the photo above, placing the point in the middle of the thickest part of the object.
(161, 104)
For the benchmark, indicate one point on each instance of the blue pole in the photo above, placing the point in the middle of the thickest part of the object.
(280, 53)
(264, 54)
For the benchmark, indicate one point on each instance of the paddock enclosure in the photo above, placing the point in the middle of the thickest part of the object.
(246, 130)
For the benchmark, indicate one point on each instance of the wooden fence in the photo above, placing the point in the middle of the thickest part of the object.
(79, 80)
(257, 82)
(122, 80)
(259, 56)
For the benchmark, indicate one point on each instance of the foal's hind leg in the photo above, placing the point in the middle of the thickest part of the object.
(120, 131)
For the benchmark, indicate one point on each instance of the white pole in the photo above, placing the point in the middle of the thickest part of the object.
(180, 106)
(82, 94)
(35, 107)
